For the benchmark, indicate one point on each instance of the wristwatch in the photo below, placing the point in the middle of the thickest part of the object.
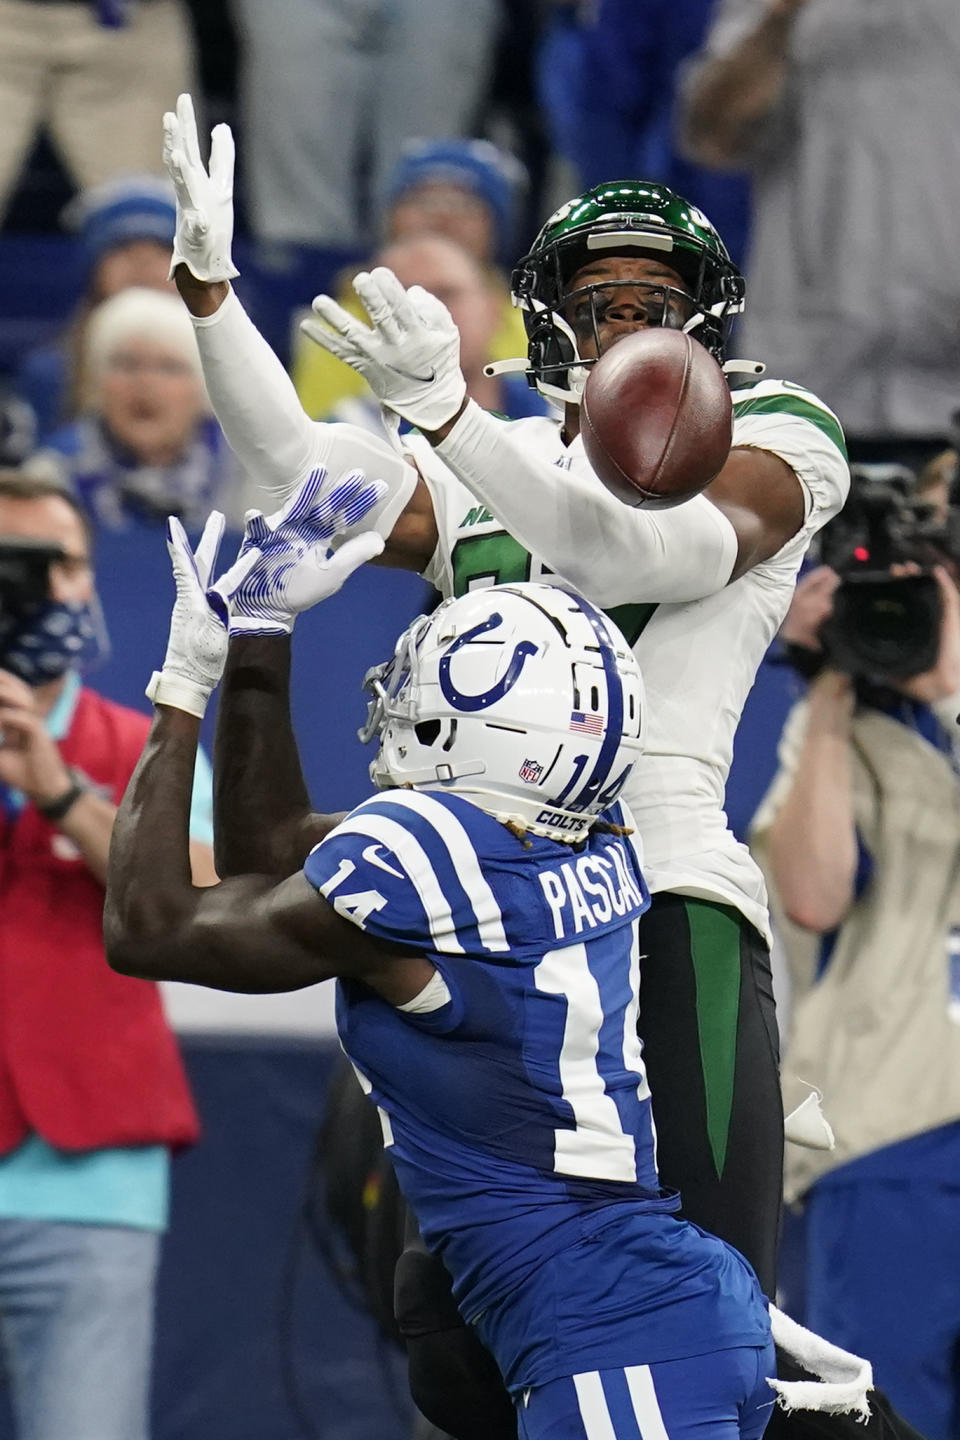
(57, 808)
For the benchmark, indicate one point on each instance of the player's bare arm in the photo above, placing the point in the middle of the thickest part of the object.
(263, 820)
(248, 933)
(239, 628)
(761, 497)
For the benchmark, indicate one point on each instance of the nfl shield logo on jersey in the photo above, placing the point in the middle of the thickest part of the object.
(530, 772)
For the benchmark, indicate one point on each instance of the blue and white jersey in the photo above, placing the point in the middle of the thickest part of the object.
(518, 1098)
(512, 1091)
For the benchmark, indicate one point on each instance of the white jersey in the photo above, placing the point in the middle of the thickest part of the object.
(699, 658)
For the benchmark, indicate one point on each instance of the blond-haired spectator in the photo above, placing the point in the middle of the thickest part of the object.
(146, 444)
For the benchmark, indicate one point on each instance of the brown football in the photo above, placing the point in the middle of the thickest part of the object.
(656, 418)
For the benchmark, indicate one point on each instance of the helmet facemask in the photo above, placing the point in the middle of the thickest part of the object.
(622, 218)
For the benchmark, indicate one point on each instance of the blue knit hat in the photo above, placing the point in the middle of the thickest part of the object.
(135, 207)
(492, 174)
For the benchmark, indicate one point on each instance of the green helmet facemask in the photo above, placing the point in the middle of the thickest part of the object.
(622, 217)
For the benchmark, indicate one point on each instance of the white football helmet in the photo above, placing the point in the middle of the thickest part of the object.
(523, 698)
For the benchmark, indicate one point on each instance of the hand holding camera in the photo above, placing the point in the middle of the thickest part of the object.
(811, 605)
(29, 759)
(942, 681)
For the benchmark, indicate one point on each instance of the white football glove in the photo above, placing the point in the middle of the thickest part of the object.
(204, 199)
(291, 566)
(197, 647)
(411, 357)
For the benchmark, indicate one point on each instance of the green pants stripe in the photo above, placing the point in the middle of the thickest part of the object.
(715, 950)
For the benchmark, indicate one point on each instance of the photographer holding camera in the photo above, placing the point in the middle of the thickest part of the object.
(92, 1091)
(859, 839)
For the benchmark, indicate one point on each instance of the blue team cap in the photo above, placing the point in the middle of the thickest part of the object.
(492, 174)
(134, 207)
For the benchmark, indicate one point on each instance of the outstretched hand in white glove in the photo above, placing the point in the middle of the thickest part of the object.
(286, 564)
(197, 647)
(411, 356)
(204, 230)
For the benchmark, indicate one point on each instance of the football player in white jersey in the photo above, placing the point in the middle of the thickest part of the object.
(700, 590)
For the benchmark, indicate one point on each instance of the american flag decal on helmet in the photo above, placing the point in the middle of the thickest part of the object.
(586, 723)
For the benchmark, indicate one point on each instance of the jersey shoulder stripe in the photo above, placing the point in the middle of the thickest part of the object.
(779, 398)
(426, 811)
(413, 858)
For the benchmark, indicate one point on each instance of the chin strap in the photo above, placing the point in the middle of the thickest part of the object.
(518, 366)
(441, 773)
(743, 367)
(844, 1378)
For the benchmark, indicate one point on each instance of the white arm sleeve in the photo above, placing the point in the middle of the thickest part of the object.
(614, 554)
(278, 444)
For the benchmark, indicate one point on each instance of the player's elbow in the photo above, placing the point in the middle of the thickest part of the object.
(125, 953)
(127, 959)
(139, 935)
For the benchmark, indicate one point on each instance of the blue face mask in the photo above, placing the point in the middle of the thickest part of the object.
(46, 638)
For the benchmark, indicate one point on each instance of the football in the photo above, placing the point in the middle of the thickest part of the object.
(656, 418)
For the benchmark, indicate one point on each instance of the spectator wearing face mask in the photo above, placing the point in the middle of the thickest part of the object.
(92, 1092)
(145, 445)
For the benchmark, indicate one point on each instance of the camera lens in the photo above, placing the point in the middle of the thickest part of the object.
(887, 629)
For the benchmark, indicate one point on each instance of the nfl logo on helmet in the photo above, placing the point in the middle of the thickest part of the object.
(530, 772)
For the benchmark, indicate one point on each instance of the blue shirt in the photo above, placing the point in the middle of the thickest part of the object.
(128, 1186)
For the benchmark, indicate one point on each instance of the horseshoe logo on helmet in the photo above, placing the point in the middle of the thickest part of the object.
(456, 697)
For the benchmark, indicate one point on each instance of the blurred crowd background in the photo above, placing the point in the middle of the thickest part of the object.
(435, 137)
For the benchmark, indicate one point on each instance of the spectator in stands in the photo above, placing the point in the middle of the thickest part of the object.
(146, 445)
(470, 294)
(92, 1092)
(125, 228)
(859, 838)
(331, 89)
(607, 78)
(18, 431)
(937, 482)
(96, 74)
(466, 190)
(847, 118)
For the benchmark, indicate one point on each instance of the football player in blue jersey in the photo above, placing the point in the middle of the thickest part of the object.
(480, 914)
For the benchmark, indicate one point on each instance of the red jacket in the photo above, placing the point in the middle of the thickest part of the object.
(87, 1058)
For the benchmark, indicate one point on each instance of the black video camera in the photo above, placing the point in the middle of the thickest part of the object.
(885, 628)
(25, 572)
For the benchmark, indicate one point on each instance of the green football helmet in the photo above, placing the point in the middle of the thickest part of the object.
(617, 218)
